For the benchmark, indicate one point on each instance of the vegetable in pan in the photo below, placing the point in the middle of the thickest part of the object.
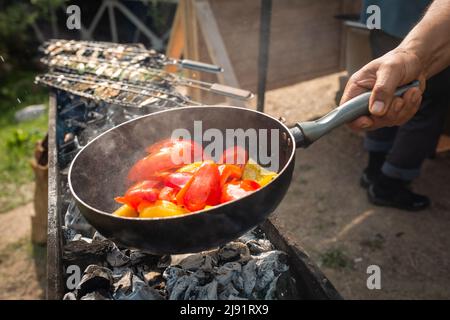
(164, 187)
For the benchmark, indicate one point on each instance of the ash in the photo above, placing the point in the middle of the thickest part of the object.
(247, 268)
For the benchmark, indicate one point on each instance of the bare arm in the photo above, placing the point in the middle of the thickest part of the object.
(424, 52)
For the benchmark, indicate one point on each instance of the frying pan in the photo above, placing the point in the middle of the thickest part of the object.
(98, 174)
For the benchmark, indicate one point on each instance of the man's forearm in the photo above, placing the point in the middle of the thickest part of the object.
(429, 40)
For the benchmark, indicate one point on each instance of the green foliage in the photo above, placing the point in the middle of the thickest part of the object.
(334, 258)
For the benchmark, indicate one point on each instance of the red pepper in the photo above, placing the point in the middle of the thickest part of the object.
(234, 155)
(229, 172)
(177, 179)
(238, 189)
(204, 188)
(168, 194)
(166, 158)
(143, 191)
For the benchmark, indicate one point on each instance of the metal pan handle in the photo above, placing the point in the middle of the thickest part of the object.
(199, 66)
(307, 132)
(231, 92)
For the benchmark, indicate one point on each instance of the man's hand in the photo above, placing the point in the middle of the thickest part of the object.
(383, 76)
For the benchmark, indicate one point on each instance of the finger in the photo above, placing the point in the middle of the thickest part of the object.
(388, 79)
(361, 123)
(392, 114)
(413, 99)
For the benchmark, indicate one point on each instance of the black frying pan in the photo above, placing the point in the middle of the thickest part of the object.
(98, 174)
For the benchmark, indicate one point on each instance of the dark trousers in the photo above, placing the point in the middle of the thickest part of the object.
(409, 145)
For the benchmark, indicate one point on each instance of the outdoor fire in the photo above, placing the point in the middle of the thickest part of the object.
(218, 157)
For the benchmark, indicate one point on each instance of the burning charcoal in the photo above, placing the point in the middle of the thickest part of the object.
(74, 220)
(227, 272)
(70, 296)
(117, 258)
(140, 291)
(97, 295)
(191, 291)
(208, 291)
(94, 278)
(249, 277)
(259, 246)
(152, 278)
(227, 291)
(233, 251)
(82, 254)
(204, 276)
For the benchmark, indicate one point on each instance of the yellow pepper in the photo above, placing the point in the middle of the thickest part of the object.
(191, 168)
(253, 171)
(160, 208)
(126, 211)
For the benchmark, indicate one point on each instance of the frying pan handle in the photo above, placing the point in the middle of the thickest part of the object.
(306, 133)
(199, 66)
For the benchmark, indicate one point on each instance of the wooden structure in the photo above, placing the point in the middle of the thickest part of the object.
(226, 33)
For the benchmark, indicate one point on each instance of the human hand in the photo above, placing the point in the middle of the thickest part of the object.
(383, 76)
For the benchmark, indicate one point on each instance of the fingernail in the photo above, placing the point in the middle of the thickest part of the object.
(365, 125)
(378, 106)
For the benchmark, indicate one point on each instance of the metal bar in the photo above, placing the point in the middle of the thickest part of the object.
(263, 57)
(54, 238)
(112, 22)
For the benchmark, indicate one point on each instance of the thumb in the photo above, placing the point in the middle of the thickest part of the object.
(388, 79)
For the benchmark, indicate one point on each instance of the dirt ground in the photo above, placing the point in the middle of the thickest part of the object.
(22, 265)
(325, 211)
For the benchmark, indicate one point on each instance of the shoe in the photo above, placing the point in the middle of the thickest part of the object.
(368, 178)
(390, 192)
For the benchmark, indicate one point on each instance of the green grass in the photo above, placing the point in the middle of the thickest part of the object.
(17, 140)
(334, 258)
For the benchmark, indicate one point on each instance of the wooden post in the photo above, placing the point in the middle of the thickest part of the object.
(176, 40)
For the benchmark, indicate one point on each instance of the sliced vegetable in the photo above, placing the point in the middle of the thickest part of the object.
(238, 189)
(168, 194)
(253, 171)
(126, 211)
(204, 188)
(146, 190)
(177, 179)
(229, 172)
(161, 208)
(191, 168)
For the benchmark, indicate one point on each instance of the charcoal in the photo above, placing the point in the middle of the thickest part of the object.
(283, 289)
(171, 274)
(69, 234)
(247, 237)
(259, 246)
(249, 277)
(234, 297)
(73, 219)
(204, 276)
(178, 290)
(233, 251)
(175, 259)
(191, 290)
(125, 283)
(227, 272)
(152, 277)
(83, 254)
(269, 264)
(227, 291)
(138, 256)
(95, 278)
(97, 295)
(70, 296)
(117, 258)
(164, 262)
(98, 236)
(140, 291)
(208, 291)
(197, 261)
